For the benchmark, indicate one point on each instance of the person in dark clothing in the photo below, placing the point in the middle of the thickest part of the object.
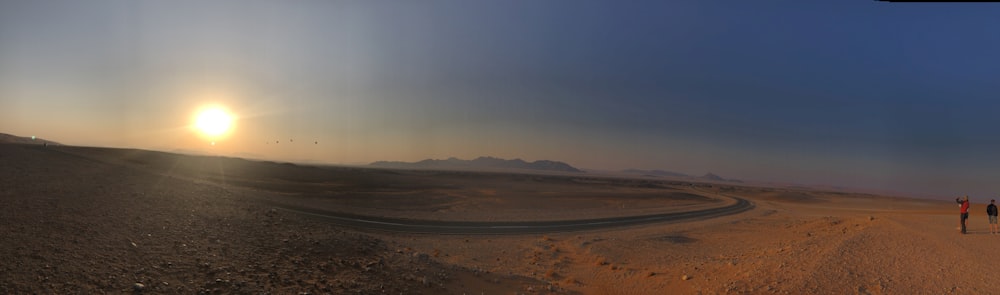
(991, 211)
(965, 212)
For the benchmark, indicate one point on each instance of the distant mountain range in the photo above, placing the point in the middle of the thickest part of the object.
(707, 176)
(655, 173)
(479, 163)
(7, 138)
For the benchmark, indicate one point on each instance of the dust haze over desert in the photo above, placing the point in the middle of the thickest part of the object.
(519, 147)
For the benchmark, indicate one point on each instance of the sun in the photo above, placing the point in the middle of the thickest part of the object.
(213, 122)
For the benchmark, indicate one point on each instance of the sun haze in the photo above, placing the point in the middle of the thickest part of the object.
(213, 122)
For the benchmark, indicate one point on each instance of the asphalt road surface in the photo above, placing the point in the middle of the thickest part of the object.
(512, 228)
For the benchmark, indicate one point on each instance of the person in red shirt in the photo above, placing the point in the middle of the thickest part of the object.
(965, 211)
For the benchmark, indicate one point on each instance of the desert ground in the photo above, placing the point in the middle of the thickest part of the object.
(79, 220)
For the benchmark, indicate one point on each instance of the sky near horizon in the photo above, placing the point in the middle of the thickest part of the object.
(861, 94)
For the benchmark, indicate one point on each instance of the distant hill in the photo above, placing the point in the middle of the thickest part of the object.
(479, 163)
(707, 176)
(655, 172)
(710, 176)
(7, 138)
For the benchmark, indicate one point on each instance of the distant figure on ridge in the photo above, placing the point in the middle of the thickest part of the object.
(964, 220)
(991, 210)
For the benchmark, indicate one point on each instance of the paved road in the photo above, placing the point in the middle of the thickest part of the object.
(509, 228)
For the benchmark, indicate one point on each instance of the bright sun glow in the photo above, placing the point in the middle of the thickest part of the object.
(213, 122)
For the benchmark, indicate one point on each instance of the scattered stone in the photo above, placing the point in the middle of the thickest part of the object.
(685, 277)
(870, 218)
(138, 287)
(650, 274)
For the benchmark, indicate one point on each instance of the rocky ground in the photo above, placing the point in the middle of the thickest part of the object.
(81, 225)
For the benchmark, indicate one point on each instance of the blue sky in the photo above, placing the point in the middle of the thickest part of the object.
(851, 93)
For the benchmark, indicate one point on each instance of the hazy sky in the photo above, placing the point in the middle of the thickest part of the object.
(853, 93)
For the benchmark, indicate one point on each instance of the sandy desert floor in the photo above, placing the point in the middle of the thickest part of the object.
(93, 220)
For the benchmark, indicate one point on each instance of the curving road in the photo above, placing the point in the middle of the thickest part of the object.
(510, 228)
